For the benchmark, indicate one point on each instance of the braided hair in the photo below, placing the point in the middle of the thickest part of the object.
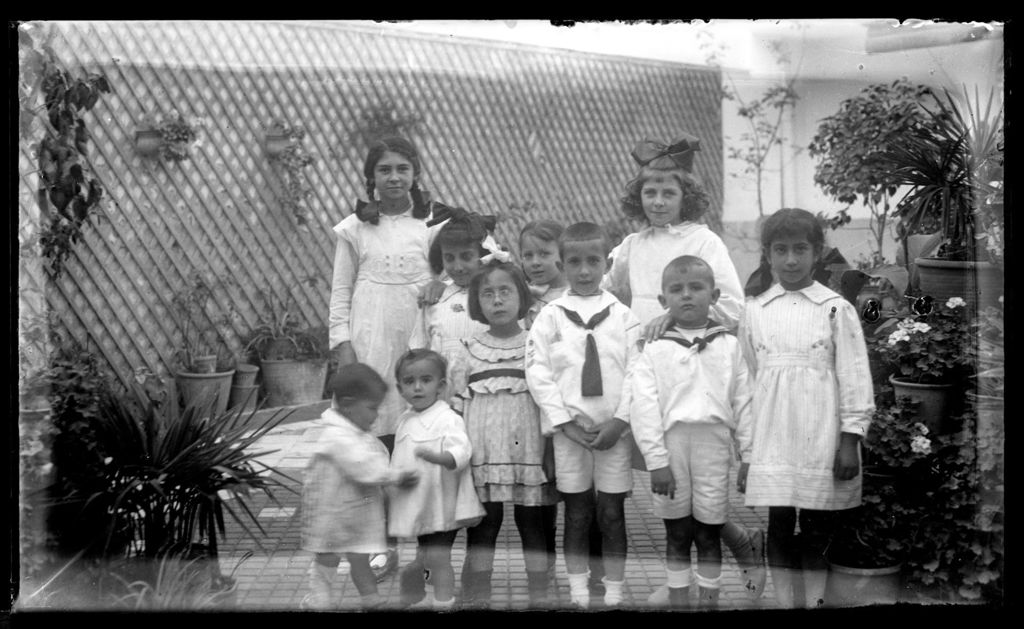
(394, 144)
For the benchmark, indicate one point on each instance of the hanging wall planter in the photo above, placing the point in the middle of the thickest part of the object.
(169, 137)
(148, 142)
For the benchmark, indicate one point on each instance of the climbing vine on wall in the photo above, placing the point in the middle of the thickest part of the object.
(69, 192)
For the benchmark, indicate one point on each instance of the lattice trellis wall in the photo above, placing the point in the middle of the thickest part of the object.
(523, 133)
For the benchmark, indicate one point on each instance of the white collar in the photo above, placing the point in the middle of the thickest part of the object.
(816, 292)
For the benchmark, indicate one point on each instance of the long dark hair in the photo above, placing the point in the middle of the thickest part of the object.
(405, 148)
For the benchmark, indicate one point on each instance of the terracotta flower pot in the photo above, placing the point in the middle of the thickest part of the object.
(148, 142)
(293, 382)
(275, 144)
(203, 388)
(980, 284)
(245, 375)
(244, 396)
(933, 402)
(855, 587)
(204, 364)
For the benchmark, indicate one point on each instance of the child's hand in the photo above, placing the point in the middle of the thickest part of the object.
(608, 434)
(408, 479)
(577, 433)
(430, 293)
(657, 326)
(428, 454)
(343, 354)
(847, 463)
(663, 482)
(741, 477)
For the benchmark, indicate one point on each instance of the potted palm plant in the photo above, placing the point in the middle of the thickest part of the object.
(163, 480)
(953, 165)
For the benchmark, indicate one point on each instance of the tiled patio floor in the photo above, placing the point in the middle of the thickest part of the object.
(274, 577)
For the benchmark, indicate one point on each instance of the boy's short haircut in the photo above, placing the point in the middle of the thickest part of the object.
(584, 232)
(356, 381)
(683, 264)
(518, 278)
(416, 355)
(544, 230)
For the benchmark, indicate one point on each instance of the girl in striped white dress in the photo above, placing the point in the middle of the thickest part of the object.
(812, 403)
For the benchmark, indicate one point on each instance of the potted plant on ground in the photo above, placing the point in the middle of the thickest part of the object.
(927, 354)
(162, 480)
(293, 357)
(953, 163)
(872, 541)
(204, 366)
(850, 147)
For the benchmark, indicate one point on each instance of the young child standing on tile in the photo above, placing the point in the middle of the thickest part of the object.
(671, 199)
(342, 493)
(580, 348)
(511, 456)
(542, 263)
(380, 266)
(431, 440)
(812, 404)
(691, 398)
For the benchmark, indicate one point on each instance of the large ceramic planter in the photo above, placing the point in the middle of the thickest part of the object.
(204, 387)
(293, 382)
(856, 587)
(933, 409)
(980, 284)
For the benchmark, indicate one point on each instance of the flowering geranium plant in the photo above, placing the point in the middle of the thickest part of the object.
(927, 347)
(895, 451)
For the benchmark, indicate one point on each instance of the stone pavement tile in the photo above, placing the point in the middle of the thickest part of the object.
(276, 578)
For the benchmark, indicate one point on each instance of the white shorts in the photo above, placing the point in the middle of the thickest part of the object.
(699, 456)
(577, 469)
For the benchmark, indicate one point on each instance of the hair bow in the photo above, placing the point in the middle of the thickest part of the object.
(442, 213)
(678, 154)
(496, 252)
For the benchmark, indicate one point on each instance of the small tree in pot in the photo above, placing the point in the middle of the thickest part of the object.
(851, 146)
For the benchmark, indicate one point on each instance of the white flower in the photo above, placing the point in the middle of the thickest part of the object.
(921, 444)
(897, 336)
(923, 328)
(921, 428)
(955, 302)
